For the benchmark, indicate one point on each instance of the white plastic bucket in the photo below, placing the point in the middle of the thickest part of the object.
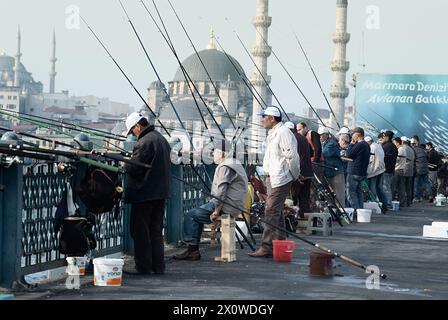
(364, 215)
(76, 266)
(107, 272)
(395, 205)
(349, 212)
(440, 201)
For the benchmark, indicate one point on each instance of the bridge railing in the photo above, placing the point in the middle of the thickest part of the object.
(29, 196)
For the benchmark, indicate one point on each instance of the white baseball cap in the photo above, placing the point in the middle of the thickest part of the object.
(271, 111)
(323, 130)
(290, 125)
(368, 139)
(404, 138)
(132, 120)
(344, 130)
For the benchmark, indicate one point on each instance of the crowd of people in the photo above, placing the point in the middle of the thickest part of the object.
(296, 160)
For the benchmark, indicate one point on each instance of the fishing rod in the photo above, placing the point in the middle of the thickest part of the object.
(367, 121)
(317, 79)
(292, 79)
(124, 74)
(42, 124)
(24, 154)
(267, 82)
(54, 123)
(316, 245)
(52, 141)
(155, 71)
(187, 77)
(200, 60)
(73, 126)
(393, 126)
(244, 78)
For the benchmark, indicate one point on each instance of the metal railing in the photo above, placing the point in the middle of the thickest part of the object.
(28, 201)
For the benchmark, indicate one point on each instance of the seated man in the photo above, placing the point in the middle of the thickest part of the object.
(229, 186)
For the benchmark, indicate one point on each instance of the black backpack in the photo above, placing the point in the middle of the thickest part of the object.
(100, 190)
(76, 237)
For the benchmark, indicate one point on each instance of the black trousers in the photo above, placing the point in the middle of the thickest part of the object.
(146, 230)
(301, 196)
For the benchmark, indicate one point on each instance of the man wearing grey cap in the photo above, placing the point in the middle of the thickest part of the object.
(229, 190)
(281, 166)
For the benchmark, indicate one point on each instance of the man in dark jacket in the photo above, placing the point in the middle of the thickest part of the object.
(390, 160)
(421, 180)
(434, 163)
(146, 190)
(301, 188)
(359, 153)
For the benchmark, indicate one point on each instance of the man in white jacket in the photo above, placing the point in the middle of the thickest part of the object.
(281, 165)
(376, 168)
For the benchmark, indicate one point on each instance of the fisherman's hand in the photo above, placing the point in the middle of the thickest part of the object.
(214, 216)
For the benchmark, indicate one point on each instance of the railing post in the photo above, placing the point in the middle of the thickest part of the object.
(11, 224)
(174, 211)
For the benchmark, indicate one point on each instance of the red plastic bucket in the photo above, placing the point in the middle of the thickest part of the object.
(283, 250)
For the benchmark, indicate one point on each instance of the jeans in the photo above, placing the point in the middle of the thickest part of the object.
(387, 189)
(355, 193)
(194, 222)
(432, 175)
(421, 184)
(409, 181)
(399, 187)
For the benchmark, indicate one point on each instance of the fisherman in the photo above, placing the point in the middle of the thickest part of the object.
(390, 160)
(399, 180)
(434, 163)
(421, 180)
(146, 191)
(281, 166)
(409, 170)
(359, 153)
(344, 138)
(301, 188)
(376, 168)
(229, 191)
(334, 167)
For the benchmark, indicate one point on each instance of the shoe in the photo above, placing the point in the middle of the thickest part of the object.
(188, 255)
(133, 270)
(260, 253)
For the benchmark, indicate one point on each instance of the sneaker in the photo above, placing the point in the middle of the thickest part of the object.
(188, 255)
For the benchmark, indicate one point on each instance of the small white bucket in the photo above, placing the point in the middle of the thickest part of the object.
(364, 215)
(395, 205)
(349, 212)
(374, 206)
(440, 201)
(76, 266)
(108, 272)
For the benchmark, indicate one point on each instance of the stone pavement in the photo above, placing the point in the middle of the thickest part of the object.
(416, 269)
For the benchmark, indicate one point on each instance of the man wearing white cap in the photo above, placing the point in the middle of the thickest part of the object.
(281, 166)
(146, 191)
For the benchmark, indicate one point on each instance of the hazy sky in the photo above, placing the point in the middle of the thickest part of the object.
(411, 39)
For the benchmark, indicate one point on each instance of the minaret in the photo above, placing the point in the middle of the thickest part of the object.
(17, 60)
(261, 53)
(339, 91)
(53, 63)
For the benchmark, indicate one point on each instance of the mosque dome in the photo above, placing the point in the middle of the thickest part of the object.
(217, 63)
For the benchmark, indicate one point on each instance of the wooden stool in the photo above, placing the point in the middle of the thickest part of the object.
(228, 250)
(325, 221)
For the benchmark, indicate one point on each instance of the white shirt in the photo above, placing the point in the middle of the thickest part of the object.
(281, 159)
(376, 164)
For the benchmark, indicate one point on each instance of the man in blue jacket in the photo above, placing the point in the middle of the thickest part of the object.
(359, 154)
(334, 167)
